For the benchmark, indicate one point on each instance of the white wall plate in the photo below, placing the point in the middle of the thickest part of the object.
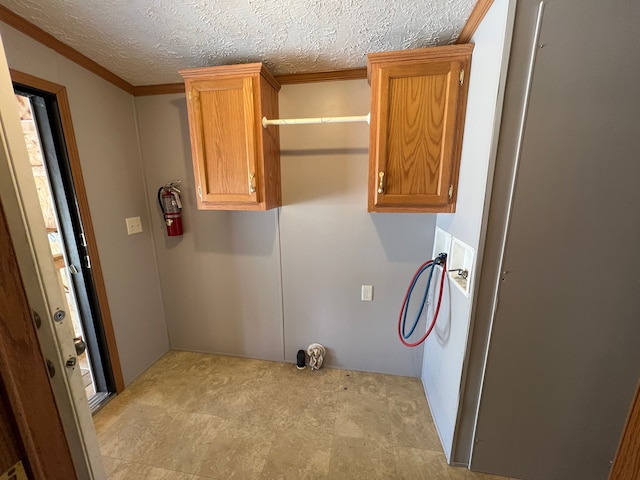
(441, 242)
(460, 265)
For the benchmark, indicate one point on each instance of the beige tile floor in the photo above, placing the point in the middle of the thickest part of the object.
(194, 416)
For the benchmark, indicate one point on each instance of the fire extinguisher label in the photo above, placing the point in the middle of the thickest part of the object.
(170, 204)
(177, 199)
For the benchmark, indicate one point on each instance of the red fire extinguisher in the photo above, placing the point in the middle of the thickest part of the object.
(170, 204)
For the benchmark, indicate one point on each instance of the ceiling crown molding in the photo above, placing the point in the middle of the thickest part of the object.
(477, 14)
(48, 40)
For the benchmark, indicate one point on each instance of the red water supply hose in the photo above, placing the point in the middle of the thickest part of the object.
(406, 301)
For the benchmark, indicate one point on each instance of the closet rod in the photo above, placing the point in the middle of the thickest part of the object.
(310, 121)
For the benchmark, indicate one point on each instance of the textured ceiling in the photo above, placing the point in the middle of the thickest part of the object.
(145, 42)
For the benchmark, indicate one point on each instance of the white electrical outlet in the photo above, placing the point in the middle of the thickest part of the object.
(367, 293)
(134, 225)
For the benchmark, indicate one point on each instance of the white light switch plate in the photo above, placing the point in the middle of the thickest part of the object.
(134, 225)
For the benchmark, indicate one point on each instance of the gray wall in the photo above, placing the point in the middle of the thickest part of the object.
(226, 281)
(331, 245)
(104, 124)
(221, 279)
(445, 348)
(563, 359)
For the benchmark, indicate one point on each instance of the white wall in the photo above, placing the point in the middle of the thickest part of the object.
(444, 351)
(104, 124)
(225, 282)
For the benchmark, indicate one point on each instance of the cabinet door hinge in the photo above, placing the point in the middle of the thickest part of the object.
(200, 192)
(450, 192)
(190, 94)
(462, 76)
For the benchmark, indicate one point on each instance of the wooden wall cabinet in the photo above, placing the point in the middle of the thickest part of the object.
(418, 105)
(236, 161)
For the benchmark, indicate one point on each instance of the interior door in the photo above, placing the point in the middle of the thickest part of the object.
(26, 226)
(562, 361)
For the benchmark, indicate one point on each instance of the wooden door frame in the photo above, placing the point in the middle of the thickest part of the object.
(23, 375)
(62, 99)
(626, 465)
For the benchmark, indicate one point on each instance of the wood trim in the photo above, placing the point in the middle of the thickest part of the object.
(34, 82)
(410, 57)
(24, 375)
(83, 205)
(231, 71)
(48, 40)
(295, 78)
(351, 74)
(477, 14)
(626, 465)
(163, 89)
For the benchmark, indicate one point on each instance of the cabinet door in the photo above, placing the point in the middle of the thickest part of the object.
(223, 140)
(414, 136)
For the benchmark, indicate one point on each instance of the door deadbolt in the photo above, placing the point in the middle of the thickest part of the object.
(71, 362)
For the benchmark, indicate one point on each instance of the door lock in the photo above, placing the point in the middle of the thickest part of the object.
(71, 362)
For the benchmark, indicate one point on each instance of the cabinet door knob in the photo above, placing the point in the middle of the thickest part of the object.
(252, 184)
(381, 182)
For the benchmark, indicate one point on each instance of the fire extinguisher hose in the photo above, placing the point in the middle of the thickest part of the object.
(160, 200)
